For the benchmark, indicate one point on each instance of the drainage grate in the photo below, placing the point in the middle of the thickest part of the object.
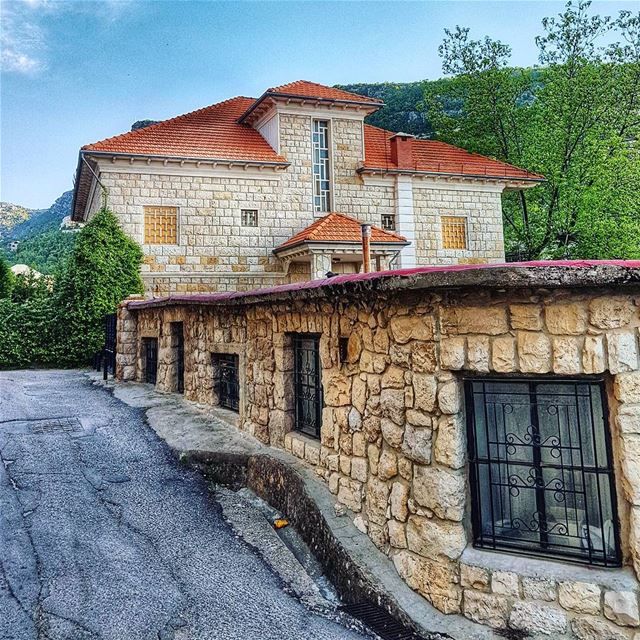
(380, 622)
(55, 425)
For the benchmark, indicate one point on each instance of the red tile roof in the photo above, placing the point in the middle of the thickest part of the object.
(336, 227)
(212, 132)
(315, 90)
(437, 157)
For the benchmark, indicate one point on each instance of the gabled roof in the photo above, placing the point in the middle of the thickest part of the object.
(337, 227)
(432, 156)
(305, 90)
(209, 133)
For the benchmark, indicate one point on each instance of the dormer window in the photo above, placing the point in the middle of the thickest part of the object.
(321, 166)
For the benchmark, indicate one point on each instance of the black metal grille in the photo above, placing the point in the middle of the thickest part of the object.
(541, 468)
(308, 385)
(380, 622)
(228, 385)
(177, 342)
(150, 348)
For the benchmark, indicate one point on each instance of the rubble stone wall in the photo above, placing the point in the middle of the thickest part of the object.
(393, 439)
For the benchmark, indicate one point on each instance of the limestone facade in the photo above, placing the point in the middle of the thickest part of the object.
(393, 444)
(215, 252)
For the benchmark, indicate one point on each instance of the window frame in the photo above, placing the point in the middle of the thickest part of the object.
(243, 223)
(482, 541)
(328, 193)
(389, 216)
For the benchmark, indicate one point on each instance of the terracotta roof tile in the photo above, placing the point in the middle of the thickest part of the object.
(212, 132)
(315, 90)
(337, 227)
(437, 157)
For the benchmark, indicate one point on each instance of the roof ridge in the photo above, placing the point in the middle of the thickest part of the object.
(161, 123)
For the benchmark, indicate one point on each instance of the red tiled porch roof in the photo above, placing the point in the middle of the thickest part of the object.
(337, 227)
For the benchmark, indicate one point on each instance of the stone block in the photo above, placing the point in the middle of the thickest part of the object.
(478, 353)
(626, 387)
(568, 319)
(452, 353)
(631, 467)
(392, 433)
(350, 494)
(377, 500)
(392, 404)
(359, 394)
(534, 352)
(441, 490)
(505, 583)
(535, 618)
(359, 469)
(393, 378)
(503, 354)
(594, 628)
(417, 444)
(567, 354)
(397, 535)
(593, 355)
(411, 327)
(628, 418)
(539, 589)
(297, 447)
(338, 391)
(398, 500)
(475, 320)
(474, 577)
(387, 466)
(434, 538)
(611, 312)
(526, 316)
(622, 352)
(312, 453)
(424, 391)
(450, 397)
(581, 597)
(622, 608)
(423, 357)
(450, 443)
(485, 608)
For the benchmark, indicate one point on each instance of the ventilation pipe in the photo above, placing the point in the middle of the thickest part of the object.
(366, 247)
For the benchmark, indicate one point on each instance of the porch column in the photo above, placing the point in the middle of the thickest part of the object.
(320, 264)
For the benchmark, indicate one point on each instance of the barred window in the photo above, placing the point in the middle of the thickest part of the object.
(541, 472)
(454, 232)
(160, 225)
(321, 166)
(249, 217)
(388, 222)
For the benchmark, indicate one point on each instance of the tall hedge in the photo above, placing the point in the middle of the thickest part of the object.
(64, 325)
(6, 279)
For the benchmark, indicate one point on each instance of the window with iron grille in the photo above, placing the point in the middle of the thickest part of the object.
(454, 232)
(307, 384)
(388, 222)
(249, 217)
(321, 166)
(150, 355)
(541, 472)
(228, 386)
(160, 225)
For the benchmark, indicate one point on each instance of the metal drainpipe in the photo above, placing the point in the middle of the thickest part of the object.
(366, 248)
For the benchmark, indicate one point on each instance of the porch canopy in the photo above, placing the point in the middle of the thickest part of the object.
(333, 243)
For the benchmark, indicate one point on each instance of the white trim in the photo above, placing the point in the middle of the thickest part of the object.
(442, 184)
(329, 113)
(405, 220)
(378, 181)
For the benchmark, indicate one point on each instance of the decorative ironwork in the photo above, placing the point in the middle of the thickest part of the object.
(108, 355)
(150, 348)
(177, 342)
(228, 384)
(308, 385)
(541, 468)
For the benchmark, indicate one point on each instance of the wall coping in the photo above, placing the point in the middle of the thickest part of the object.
(571, 274)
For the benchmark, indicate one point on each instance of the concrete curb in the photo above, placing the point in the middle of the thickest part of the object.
(224, 455)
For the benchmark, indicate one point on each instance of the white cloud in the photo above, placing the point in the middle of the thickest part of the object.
(23, 34)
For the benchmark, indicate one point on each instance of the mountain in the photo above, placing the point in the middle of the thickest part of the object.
(42, 220)
(11, 215)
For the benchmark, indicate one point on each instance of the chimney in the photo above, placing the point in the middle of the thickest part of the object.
(401, 150)
(366, 247)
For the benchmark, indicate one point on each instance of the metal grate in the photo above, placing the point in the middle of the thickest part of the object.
(308, 386)
(249, 217)
(388, 221)
(541, 469)
(150, 347)
(380, 622)
(454, 232)
(228, 383)
(160, 225)
(177, 343)
(55, 425)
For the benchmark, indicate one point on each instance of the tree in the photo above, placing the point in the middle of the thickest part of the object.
(576, 120)
(103, 269)
(6, 279)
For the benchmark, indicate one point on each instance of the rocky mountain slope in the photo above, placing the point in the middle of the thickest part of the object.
(11, 215)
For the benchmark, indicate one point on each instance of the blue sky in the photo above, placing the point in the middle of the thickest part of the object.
(77, 71)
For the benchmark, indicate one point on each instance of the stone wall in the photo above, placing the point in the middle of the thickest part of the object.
(393, 444)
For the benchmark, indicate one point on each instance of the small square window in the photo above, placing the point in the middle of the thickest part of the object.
(388, 222)
(454, 232)
(249, 217)
(160, 225)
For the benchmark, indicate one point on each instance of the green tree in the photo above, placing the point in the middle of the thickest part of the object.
(103, 269)
(6, 279)
(575, 120)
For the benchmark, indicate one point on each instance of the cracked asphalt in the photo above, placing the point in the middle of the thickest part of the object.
(103, 535)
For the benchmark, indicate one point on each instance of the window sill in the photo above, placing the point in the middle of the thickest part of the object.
(617, 578)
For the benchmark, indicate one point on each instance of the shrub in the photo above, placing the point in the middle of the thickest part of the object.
(6, 279)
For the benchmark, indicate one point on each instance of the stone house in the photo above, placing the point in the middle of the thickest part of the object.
(216, 197)
(481, 424)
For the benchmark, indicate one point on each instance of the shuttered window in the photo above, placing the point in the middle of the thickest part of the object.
(454, 232)
(161, 225)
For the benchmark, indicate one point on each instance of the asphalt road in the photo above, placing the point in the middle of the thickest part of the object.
(103, 535)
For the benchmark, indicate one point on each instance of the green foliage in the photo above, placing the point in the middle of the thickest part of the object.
(63, 325)
(6, 279)
(44, 252)
(575, 120)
